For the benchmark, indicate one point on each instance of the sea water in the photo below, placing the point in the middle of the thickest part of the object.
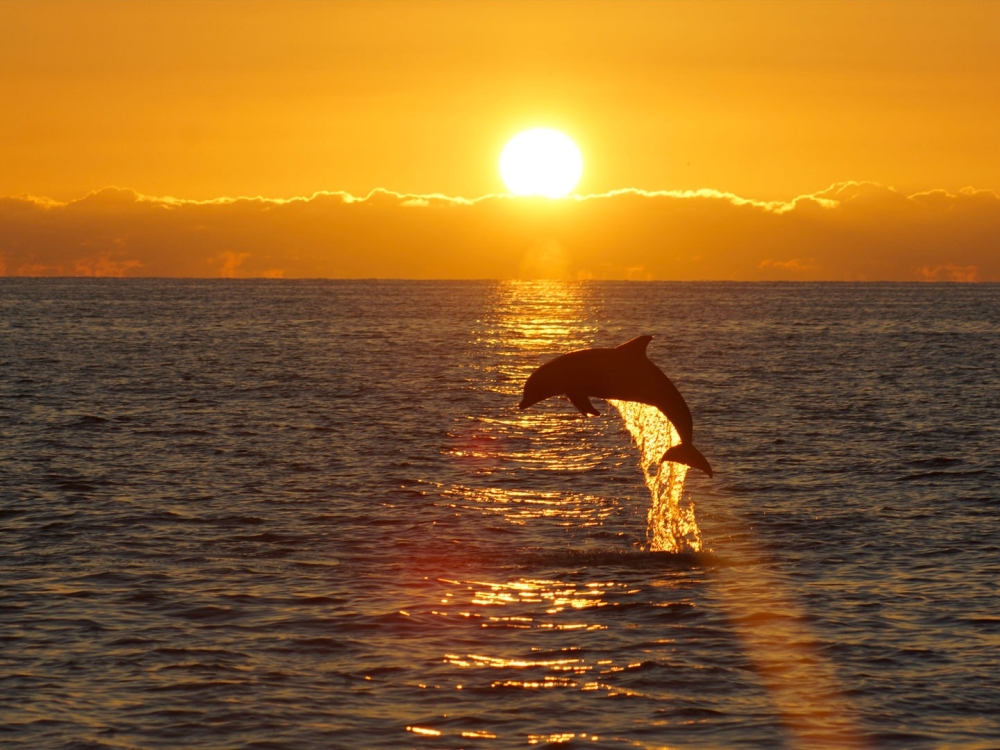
(309, 514)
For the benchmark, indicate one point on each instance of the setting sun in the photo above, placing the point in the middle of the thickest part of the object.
(541, 161)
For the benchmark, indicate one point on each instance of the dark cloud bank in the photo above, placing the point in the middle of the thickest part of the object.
(851, 231)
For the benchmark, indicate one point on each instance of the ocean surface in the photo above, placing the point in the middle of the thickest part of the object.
(309, 514)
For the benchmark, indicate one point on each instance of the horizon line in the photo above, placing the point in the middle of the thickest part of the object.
(496, 279)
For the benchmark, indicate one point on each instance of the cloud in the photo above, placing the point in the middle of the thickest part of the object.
(950, 272)
(849, 231)
(795, 265)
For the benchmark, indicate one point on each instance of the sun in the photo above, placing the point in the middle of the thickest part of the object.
(541, 161)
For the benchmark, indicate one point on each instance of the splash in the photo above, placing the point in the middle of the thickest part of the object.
(671, 525)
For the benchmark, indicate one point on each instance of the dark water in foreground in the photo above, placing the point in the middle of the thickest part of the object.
(308, 515)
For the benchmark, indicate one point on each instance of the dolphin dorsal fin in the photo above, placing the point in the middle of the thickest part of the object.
(636, 347)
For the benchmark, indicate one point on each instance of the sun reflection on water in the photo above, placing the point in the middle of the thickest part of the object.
(526, 475)
(524, 324)
(558, 738)
(539, 605)
(529, 321)
(521, 506)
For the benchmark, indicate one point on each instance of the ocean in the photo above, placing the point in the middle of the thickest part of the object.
(309, 514)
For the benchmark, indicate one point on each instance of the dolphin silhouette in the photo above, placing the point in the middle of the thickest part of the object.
(624, 373)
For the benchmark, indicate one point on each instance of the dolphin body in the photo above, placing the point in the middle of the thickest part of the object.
(624, 373)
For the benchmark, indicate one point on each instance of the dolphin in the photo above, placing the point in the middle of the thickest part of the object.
(624, 373)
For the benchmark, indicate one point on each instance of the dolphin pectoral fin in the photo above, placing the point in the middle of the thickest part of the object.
(687, 454)
(635, 347)
(582, 402)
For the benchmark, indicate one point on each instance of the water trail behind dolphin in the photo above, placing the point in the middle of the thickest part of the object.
(671, 526)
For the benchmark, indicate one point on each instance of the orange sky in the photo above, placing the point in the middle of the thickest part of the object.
(763, 100)
(768, 100)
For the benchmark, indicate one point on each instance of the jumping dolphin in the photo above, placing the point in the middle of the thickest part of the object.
(624, 373)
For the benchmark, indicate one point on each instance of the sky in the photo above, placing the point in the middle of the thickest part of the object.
(737, 108)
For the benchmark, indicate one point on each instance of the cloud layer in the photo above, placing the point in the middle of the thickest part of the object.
(851, 231)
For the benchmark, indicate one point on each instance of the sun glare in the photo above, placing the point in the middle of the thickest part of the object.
(541, 161)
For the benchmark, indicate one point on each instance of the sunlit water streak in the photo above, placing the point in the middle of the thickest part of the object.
(671, 525)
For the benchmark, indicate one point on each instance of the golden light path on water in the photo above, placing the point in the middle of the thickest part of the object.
(538, 320)
(528, 323)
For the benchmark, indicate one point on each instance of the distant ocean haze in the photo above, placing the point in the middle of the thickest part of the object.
(296, 514)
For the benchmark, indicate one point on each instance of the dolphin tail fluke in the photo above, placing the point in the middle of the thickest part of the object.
(687, 454)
